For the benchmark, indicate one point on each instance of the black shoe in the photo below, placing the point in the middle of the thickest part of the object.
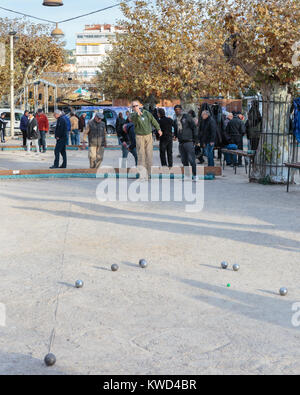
(53, 167)
(62, 167)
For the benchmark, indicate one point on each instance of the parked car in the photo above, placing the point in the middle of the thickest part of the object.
(18, 116)
(52, 125)
(110, 118)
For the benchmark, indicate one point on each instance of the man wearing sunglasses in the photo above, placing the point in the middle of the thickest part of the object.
(144, 122)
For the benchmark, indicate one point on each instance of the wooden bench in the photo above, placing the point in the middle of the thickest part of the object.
(290, 166)
(238, 152)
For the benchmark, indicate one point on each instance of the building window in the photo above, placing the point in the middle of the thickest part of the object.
(82, 49)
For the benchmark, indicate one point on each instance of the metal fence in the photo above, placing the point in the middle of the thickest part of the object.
(277, 143)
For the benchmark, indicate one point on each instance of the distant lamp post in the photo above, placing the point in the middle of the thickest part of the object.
(12, 34)
(57, 32)
(52, 3)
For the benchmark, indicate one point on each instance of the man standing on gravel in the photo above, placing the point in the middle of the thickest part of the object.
(43, 125)
(61, 131)
(144, 122)
(186, 133)
(96, 132)
(32, 133)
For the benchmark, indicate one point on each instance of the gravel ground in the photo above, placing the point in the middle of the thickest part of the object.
(177, 316)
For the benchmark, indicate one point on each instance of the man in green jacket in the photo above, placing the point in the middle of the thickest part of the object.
(144, 122)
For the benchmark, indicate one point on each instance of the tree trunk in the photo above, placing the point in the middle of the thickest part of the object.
(275, 142)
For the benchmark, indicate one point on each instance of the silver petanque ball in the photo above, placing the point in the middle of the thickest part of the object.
(50, 359)
(283, 291)
(224, 265)
(143, 263)
(236, 267)
(114, 267)
(79, 284)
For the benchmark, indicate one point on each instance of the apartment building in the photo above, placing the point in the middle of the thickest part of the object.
(91, 48)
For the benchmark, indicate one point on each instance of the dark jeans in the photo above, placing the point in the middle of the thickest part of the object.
(125, 152)
(42, 140)
(133, 153)
(188, 157)
(60, 149)
(124, 149)
(24, 133)
(68, 138)
(209, 152)
(230, 158)
(238, 140)
(75, 137)
(166, 147)
(3, 135)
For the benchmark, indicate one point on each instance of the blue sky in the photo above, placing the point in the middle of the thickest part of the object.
(70, 9)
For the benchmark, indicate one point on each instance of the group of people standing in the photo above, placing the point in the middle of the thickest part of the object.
(141, 125)
(197, 137)
(34, 128)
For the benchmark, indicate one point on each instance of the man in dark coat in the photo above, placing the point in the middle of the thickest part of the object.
(119, 124)
(235, 130)
(69, 127)
(166, 139)
(61, 131)
(2, 126)
(23, 126)
(186, 132)
(207, 135)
